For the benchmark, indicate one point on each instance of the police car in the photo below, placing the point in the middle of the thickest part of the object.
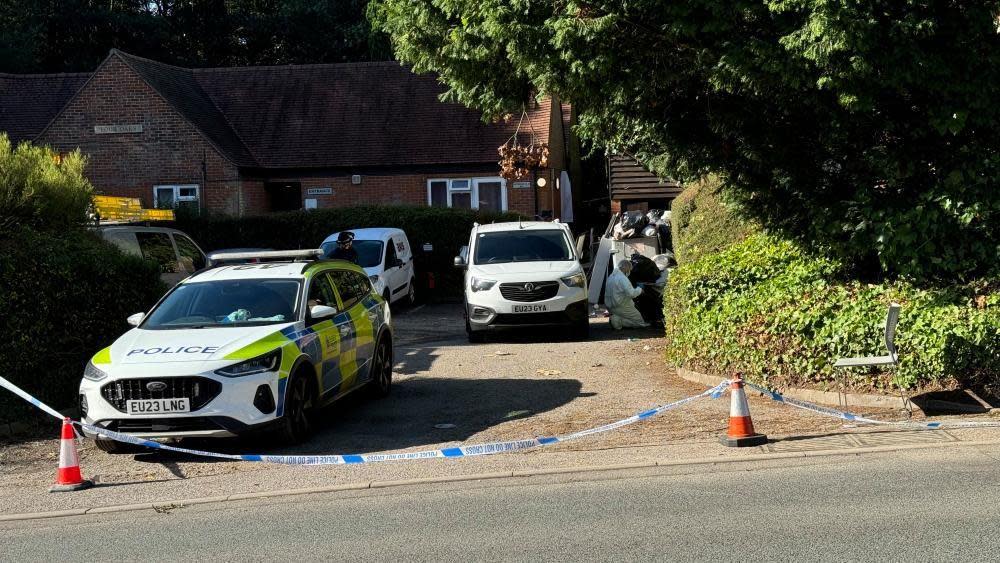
(243, 347)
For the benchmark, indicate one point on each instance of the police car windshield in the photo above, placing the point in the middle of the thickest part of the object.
(522, 246)
(226, 303)
(369, 251)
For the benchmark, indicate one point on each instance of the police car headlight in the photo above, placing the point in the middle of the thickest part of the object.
(479, 284)
(576, 280)
(260, 364)
(93, 373)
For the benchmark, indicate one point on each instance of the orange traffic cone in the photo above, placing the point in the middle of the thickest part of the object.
(741, 433)
(68, 477)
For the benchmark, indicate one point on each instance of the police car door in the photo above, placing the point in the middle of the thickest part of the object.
(331, 345)
(347, 323)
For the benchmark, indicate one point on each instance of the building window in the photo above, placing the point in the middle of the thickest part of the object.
(172, 197)
(468, 193)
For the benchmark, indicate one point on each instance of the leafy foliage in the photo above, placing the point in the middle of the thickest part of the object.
(703, 223)
(39, 187)
(868, 128)
(76, 35)
(766, 308)
(446, 229)
(65, 295)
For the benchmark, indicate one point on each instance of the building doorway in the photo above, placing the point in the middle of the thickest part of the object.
(284, 196)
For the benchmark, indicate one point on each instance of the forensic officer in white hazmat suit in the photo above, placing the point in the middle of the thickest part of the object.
(618, 296)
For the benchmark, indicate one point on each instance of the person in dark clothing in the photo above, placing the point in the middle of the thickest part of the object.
(345, 248)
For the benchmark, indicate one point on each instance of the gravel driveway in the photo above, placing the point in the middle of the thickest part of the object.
(446, 392)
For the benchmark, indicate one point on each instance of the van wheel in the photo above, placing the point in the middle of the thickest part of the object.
(411, 295)
(299, 403)
(115, 447)
(474, 337)
(381, 378)
(386, 297)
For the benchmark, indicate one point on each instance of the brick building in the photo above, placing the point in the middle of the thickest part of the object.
(249, 140)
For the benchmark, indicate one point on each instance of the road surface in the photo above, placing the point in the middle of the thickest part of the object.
(927, 505)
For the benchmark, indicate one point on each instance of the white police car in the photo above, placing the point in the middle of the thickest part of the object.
(243, 347)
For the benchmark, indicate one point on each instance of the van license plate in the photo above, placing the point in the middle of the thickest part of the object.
(159, 406)
(530, 308)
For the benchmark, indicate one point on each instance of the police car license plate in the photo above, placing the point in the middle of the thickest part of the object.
(159, 406)
(530, 308)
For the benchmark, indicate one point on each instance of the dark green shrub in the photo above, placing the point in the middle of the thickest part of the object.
(64, 295)
(40, 188)
(445, 229)
(702, 222)
(780, 316)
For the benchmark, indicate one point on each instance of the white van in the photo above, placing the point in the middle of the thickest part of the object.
(386, 255)
(523, 274)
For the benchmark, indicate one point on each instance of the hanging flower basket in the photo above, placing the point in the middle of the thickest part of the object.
(517, 160)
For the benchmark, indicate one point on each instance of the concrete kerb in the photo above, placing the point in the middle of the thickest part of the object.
(811, 395)
(170, 505)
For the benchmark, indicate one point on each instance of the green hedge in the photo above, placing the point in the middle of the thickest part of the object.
(64, 295)
(40, 188)
(446, 229)
(764, 308)
(702, 223)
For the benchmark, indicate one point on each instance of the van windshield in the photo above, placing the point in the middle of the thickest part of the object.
(227, 303)
(369, 251)
(522, 246)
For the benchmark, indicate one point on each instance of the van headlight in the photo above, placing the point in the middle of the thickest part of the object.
(260, 364)
(93, 372)
(576, 280)
(374, 279)
(479, 284)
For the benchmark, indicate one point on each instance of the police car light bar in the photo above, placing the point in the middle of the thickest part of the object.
(308, 254)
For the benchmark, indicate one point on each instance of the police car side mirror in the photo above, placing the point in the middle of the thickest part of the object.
(135, 319)
(321, 312)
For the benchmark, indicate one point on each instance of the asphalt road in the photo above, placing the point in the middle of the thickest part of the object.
(913, 506)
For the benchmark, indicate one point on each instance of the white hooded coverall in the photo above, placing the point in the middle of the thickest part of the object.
(618, 296)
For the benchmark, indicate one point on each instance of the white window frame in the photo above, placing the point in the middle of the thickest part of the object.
(176, 188)
(472, 189)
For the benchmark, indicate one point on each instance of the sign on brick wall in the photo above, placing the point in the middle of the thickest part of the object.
(112, 129)
(319, 191)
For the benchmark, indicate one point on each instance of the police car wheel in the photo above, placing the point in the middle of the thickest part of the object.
(381, 383)
(297, 425)
(115, 447)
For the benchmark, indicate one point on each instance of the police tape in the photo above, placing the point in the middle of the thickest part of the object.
(340, 459)
(851, 417)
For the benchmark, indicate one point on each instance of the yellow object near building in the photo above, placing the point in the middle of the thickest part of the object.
(116, 208)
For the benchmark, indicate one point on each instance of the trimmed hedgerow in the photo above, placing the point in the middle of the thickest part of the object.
(765, 308)
(446, 229)
(64, 295)
(703, 223)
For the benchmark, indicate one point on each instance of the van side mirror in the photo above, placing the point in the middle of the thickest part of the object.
(135, 319)
(321, 312)
(459, 262)
(399, 263)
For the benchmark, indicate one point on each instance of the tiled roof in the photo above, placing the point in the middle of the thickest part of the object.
(29, 102)
(306, 116)
(354, 114)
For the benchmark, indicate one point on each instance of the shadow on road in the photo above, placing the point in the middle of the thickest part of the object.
(405, 419)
